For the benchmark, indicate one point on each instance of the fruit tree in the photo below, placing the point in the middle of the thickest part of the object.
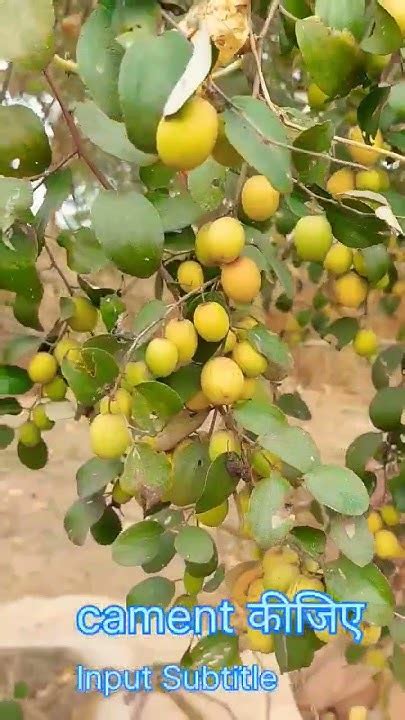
(232, 153)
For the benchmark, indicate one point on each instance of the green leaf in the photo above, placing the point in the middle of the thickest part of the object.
(207, 184)
(111, 309)
(190, 465)
(83, 250)
(21, 690)
(176, 211)
(397, 489)
(295, 653)
(318, 139)
(14, 380)
(216, 580)
(10, 406)
(346, 582)
(344, 330)
(165, 554)
(387, 407)
(332, 60)
(397, 626)
(109, 135)
(346, 15)
(269, 344)
(370, 109)
(386, 365)
(203, 57)
(24, 146)
(276, 265)
(162, 402)
(353, 538)
(89, 378)
(144, 88)
(216, 651)
(397, 664)
(156, 176)
(259, 416)
(99, 58)
(310, 540)
(186, 381)
(152, 591)
(219, 484)
(58, 188)
(337, 488)
(138, 544)
(293, 404)
(251, 127)
(194, 545)
(33, 458)
(151, 312)
(81, 516)
(354, 654)
(377, 262)
(203, 570)
(130, 231)
(293, 446)
(18, 274)
(26, 32)
(353, 229)
(267, 498)
(16, 196)
(361, 451)
(146, 475)
(385, 34)
(107, 529)
(252, 252)
(10, 710)
(6, 436)
(95, 474)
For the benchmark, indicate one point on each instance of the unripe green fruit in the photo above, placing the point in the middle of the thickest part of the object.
(29, 434)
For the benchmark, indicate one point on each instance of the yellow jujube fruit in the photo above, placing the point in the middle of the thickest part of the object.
(373, 180)
(359, 263)
(365, 343)
(251, 362)
(260, 201)
(375, 658)
(223, 441)
(29, 434)
(312, 238)
(243, 325)
(224, 153)
(85, 315)
(255, 590)
(198, 402)
(211, 321)
(109, 436)
(358, 712)
(365, 156)
(339, 259)
(390, 515)
(280, 576)
(225, 240)
(303, 582)
(275, 555)
(190, 276)
(342, 181)
(183, 334)
(201, 246)
(249, 388)
(119, 404)
(371, 634)
(350, 290)
(222, 381)
(119, 496)
(259, 642)
(192, 585)
(396, 8)
(215, 516)
(263, 462)
(161, 357)
(230, 342)
(241, 280)
(136, 373)
(56, 389)
(66, 347)
(185, 140)
(374, 522)
(386, 545)
(316, 97)
(40, 418)
(42, 368)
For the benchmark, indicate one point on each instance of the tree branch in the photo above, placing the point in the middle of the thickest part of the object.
(57, 268)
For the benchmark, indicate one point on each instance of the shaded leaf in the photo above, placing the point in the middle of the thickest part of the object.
(16, 197)
(318, 139)
(259, 416)
(311, 540)
(58, 188)
(14, 380)
(90, 377)
(344, 330)
(146, 475)
(194, 545)
(107, 529)
(190, 465)
(267, 498)
(81, 516)
(346, 15)
(295, 652)
(6, 436)
(337, 488)
(385, 36)
(152, 591)
(353, 538)
(206, 184)
(176, 210)
(24, 146)
(269, 344)
(216, 652)
(293, 404)
(84, 252)
(219, 484)
(346, 582)
(95, 474)
(138, 544)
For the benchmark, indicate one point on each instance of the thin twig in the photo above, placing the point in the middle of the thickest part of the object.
(228, 69)
(44, 176)
(76, 135)
(57, 268)
(6, 82)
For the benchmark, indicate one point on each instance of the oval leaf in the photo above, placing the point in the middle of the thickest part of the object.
(26, 32)
(152, 591)
(195, 73)
(267, 498)
(353, 538)
(14, 380)
(95, 474)
(219, 484)
(338, 488)
(293, 446)
(346, 582)
(24, 145)
(138, 544)
(194, 545)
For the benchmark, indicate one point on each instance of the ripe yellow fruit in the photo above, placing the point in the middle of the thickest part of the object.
(198, 402)
(119, 495)
(398, 289)
(384, 180)
(350, 290)
(303, 582)
(339, 259)
(365, 156)
(192, 585)
(223, 441)
(224, 153)
(42, 368)
(258, 642)
(359, 263)
(109, 436)
(374, 180)
(371, 634)
(241, 280)
(386, 545)
(190, 276)
(312, 238)
(390, 515)
(119, 404)
(161, 357)
(215, 516)
(374, 522)
(395, 8)
(211, 321)
(342, 181)
(85, 315)
(358, 712)
(222, 381)
(260, 201)
(230, 342)
(136, 373)
(225, 240)
(251, 362)
(276, 555)
(56, 389)
(325, 636)
(256, 590)
(280, 576)
(65, 346)
(242, 326)
(29, 434)
(40, 418)
(383, 283)
(365, 343)
(183, 334)
(375, 658)
(185, 140)
(201, 246)
(263, 462)
(375, 64)
(316, 97)
(249, 388)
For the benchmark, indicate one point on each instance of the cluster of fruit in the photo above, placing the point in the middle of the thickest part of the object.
(386, 543)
